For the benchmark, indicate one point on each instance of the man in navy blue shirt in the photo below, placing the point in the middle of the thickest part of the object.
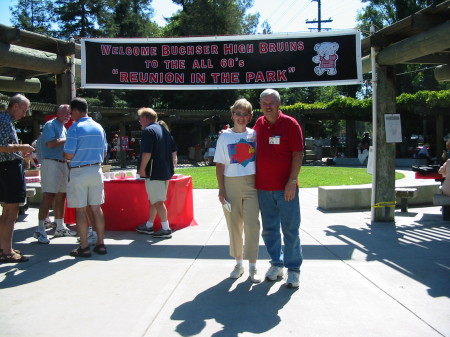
(157, 163)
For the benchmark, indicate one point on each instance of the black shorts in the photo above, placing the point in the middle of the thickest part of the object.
(13, 188)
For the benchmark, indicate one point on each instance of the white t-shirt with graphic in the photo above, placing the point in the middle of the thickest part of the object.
(237, 151)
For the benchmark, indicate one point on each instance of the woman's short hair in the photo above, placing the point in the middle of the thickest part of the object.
(148, 113)
(242, 103)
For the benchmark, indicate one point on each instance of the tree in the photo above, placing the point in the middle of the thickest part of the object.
(129, 18)
(33, 15)
(267, 29)
(79, 18)
(382, 13)
(213, 17)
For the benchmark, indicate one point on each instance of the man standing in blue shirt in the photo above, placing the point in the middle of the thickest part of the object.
(12, 177)
(157, 163)
(54, 173)
(86, 148)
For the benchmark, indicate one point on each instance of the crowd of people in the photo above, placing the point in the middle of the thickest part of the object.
(256, 170)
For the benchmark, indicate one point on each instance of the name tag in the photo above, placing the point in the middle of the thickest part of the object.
(274, 140)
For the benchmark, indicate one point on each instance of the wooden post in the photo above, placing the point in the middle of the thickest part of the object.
(384, 165)
(63, 89)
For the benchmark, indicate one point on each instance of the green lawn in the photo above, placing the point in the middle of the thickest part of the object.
(310, 176)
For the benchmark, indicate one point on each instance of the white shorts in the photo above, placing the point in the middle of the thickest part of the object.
(156, 190)
(54, 176)
(85, 187)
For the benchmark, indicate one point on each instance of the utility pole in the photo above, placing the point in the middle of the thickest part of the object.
(319, 20)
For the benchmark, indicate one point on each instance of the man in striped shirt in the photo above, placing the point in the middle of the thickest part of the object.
(86, 148)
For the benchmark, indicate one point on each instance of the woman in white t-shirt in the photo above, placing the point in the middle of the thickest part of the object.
(235, 171)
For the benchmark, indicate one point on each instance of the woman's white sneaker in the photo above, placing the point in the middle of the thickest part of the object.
(254, 276)
(237, 272)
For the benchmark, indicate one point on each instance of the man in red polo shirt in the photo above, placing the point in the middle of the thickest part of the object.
(279, 158)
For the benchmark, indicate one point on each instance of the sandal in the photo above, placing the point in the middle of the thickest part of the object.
(14, 250)
(81, 252)
(14, 257)
(100, 249)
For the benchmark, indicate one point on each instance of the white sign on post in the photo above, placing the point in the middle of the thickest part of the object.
(370, 162)
(393, 128)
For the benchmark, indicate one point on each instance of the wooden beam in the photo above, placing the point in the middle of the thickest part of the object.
(442, 72)
(11, 84)
(440, 58)
(428, 42)
(11, 35)
(30, 59)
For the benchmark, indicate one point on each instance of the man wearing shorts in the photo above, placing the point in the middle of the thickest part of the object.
(157, 162)
(12, 177)
(86, 148)
(54, 173)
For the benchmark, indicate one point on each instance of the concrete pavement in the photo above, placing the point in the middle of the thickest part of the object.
(358, 279)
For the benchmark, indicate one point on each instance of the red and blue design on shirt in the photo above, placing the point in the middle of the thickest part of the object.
(242, 152)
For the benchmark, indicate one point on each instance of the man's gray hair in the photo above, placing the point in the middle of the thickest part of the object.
(63, 106)
(18, 98)
(271, 92)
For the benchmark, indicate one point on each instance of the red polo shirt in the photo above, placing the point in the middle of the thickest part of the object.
(275, 145)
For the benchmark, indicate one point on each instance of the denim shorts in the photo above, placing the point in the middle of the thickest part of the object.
(13, 189)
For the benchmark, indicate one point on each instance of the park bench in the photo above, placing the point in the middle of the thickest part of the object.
(404, 193)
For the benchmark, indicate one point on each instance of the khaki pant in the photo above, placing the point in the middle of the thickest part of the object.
(243, 218)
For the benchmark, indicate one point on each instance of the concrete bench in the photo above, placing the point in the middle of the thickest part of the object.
(404, 194)
(359, 196)
(399, 162)
(444, 201)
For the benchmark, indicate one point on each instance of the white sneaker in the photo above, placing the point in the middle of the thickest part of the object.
(59, 233)
(92, 237)
(254, 276)
(274, 273)
(237, 272)
(49, 224)
(42, 238)
(292, 279)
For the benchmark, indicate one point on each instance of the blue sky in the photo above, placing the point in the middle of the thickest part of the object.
(283, 16)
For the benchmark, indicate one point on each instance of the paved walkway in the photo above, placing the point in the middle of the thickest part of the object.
(358, 279)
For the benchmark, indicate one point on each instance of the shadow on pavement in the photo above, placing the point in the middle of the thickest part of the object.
(245, 308)
(418, 250)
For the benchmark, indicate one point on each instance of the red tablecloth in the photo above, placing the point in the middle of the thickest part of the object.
(431, 175)
(126, 204)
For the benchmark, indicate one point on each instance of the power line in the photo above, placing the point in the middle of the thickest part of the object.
(298, 13)
(286, 10)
